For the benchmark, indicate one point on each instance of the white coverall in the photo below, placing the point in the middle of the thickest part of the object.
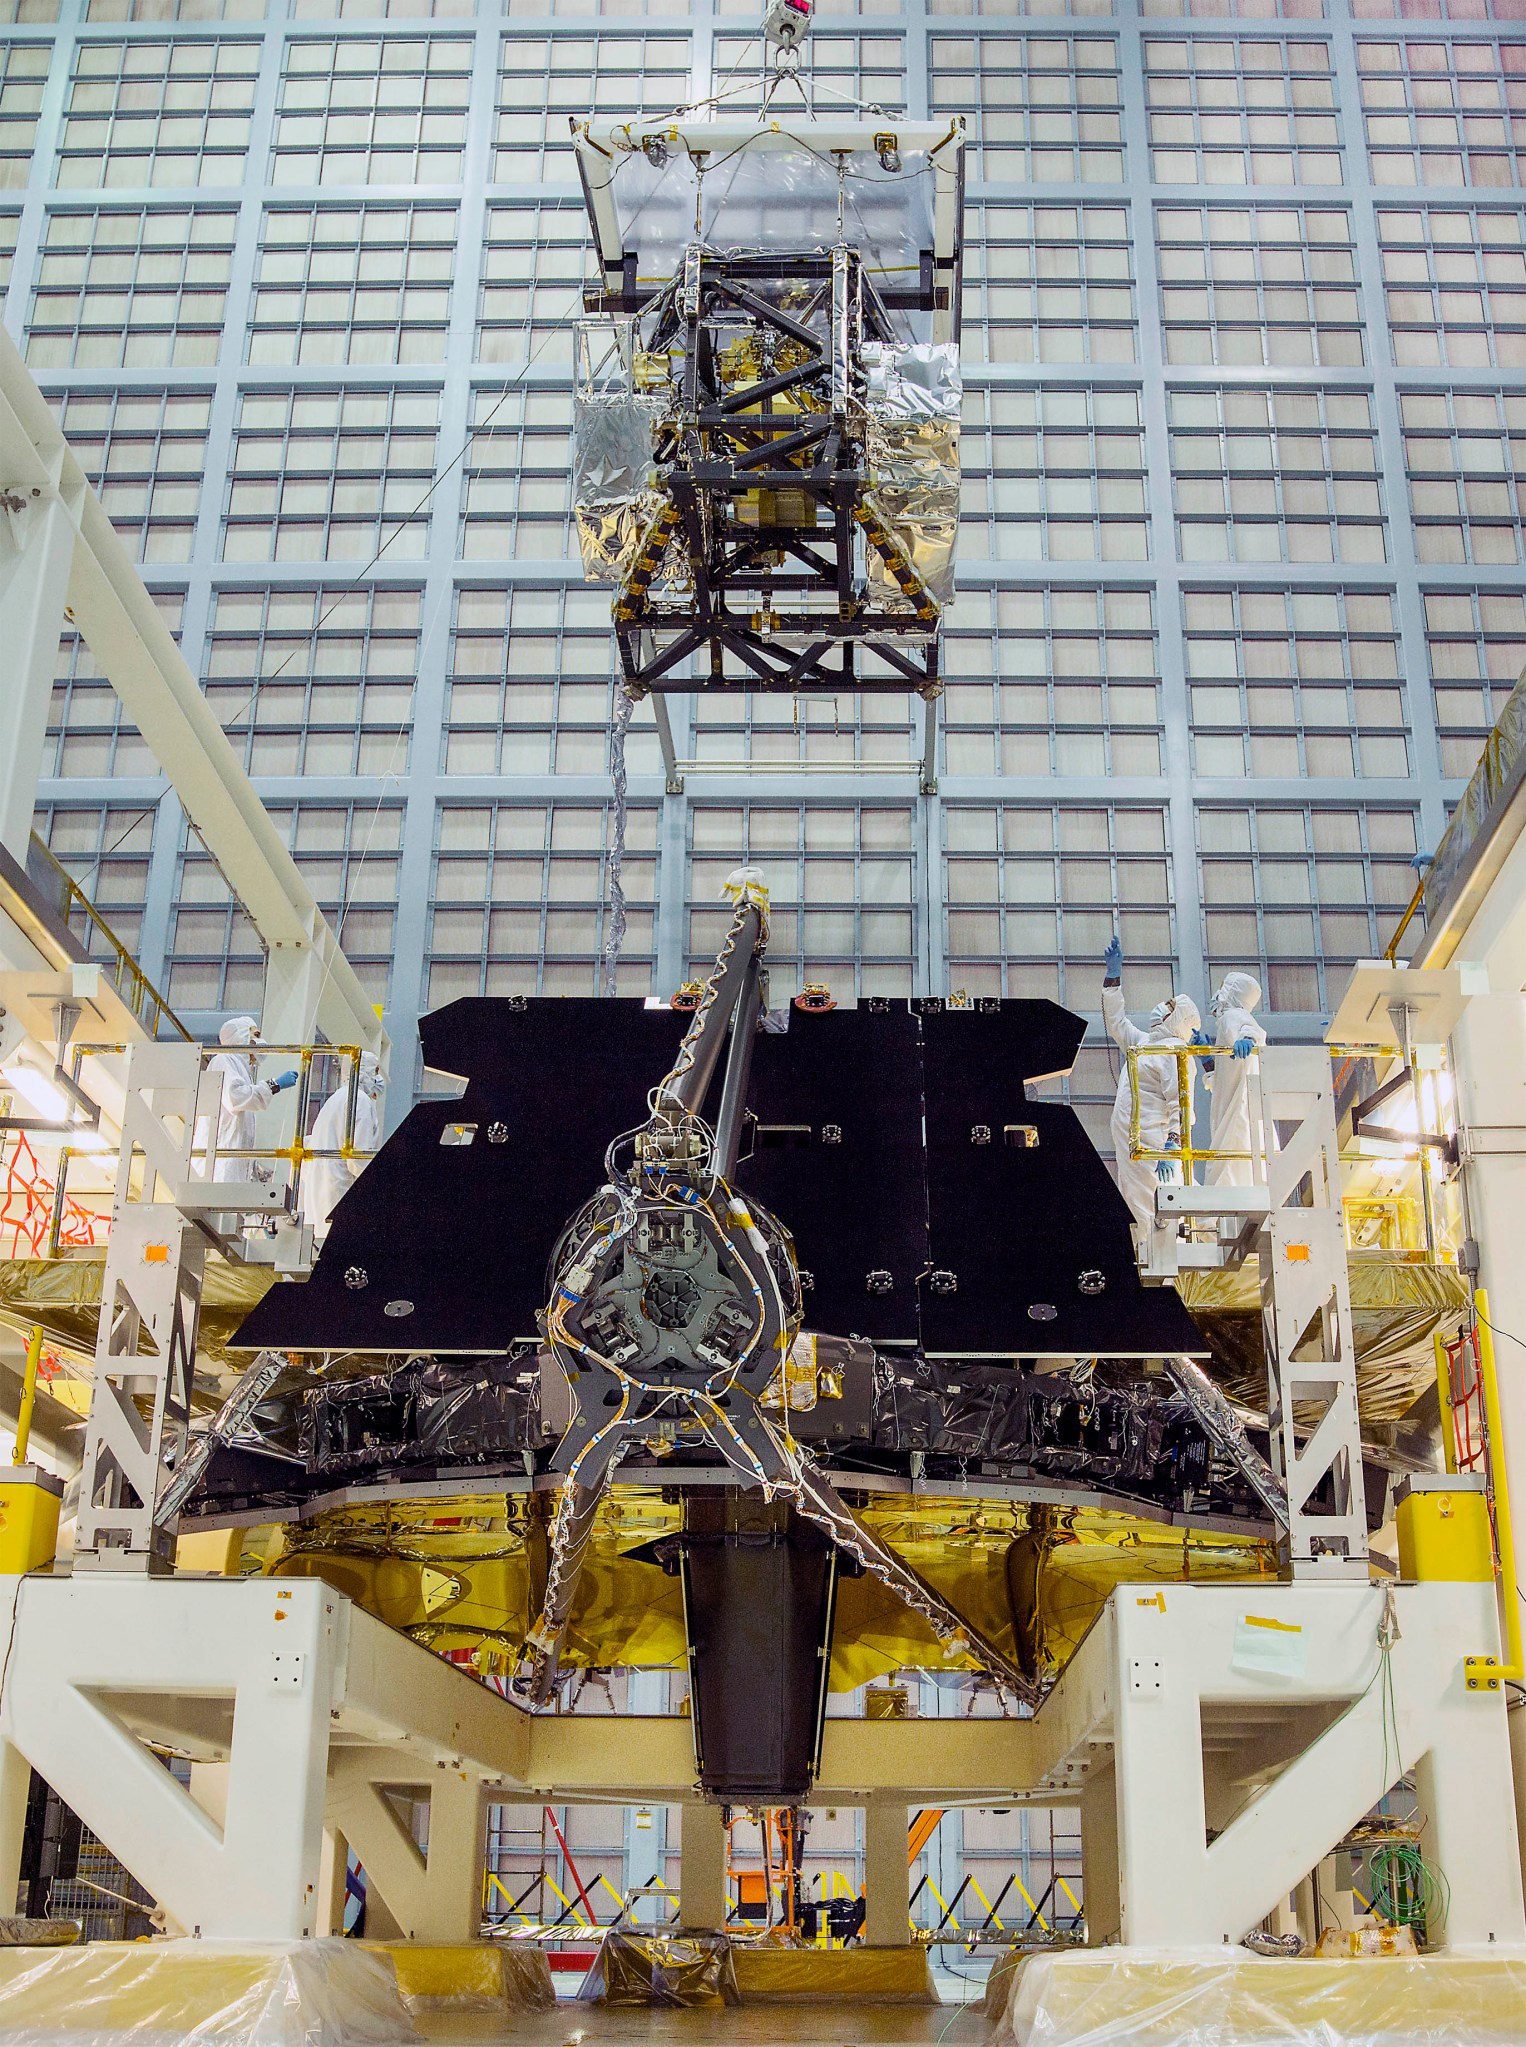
(325, 1180)
(1160, 1116)
(242, 1098)
(1229, 1082)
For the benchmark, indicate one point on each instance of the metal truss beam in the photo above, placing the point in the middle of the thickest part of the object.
(310, 980)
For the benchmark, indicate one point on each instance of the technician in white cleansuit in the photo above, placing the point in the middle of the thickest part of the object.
(1240, 1037)
(243, 1096)
(1171, 1023)
(325, 1180)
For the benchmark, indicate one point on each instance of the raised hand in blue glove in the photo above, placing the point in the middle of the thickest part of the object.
(1244, 1047)
(1163, 1169)
(287, 1079)
(1112, 959)
(1201, 1038)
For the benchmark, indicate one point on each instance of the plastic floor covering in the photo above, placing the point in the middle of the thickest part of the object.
(1224, 1997)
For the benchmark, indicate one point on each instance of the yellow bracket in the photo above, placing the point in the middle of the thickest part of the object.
(28, 1393)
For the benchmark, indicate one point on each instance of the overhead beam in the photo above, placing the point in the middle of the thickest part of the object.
(948, 1762)
(136, 652)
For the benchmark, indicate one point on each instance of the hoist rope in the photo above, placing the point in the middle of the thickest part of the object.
(624, 708)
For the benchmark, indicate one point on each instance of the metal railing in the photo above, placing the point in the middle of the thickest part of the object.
(1391, 950)
(208, 1155)
(1186, 1153)
(69, 900)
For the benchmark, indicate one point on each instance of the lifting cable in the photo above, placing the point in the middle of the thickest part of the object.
(625, 706)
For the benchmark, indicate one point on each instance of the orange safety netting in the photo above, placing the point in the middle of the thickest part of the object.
(27, 1199)
(1470, 1440)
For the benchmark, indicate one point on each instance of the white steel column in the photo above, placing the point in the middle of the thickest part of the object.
(702, 1897)
(36, 556)
(886, 1890)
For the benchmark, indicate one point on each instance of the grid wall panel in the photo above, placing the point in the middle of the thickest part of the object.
(1454, 280)
(1251, 111)
(132, 288)
(158, 113)
(1047, 109)
(1245, 286)
(1245, 429)
(353, 284)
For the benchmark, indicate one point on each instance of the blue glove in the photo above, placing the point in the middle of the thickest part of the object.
(1163, 1169)
(1421, 861)
(1244, 1047)
(1201, 1038)
(1112, 959)
(287, 1079)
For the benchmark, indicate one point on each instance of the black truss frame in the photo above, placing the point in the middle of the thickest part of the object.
(751, 586)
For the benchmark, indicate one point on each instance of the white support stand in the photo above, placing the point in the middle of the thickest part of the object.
(1293, 1222)
(1269, 1713)
(1273, 1717)
(243, 1670)
(278, 1681)
(1306, 1321)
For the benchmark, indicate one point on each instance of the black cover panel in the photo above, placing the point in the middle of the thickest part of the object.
(853, 1206)
(758, 1596)
(1018, 1224)
(465, 1232)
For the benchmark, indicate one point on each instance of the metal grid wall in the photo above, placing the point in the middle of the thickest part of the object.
(1242, 552)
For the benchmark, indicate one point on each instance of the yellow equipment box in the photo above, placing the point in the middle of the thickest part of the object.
(1443, 1524)
(29, 1501)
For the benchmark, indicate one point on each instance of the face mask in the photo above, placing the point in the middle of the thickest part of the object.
(1161, 1011)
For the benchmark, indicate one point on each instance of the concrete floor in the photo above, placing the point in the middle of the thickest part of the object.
(827, 2024)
